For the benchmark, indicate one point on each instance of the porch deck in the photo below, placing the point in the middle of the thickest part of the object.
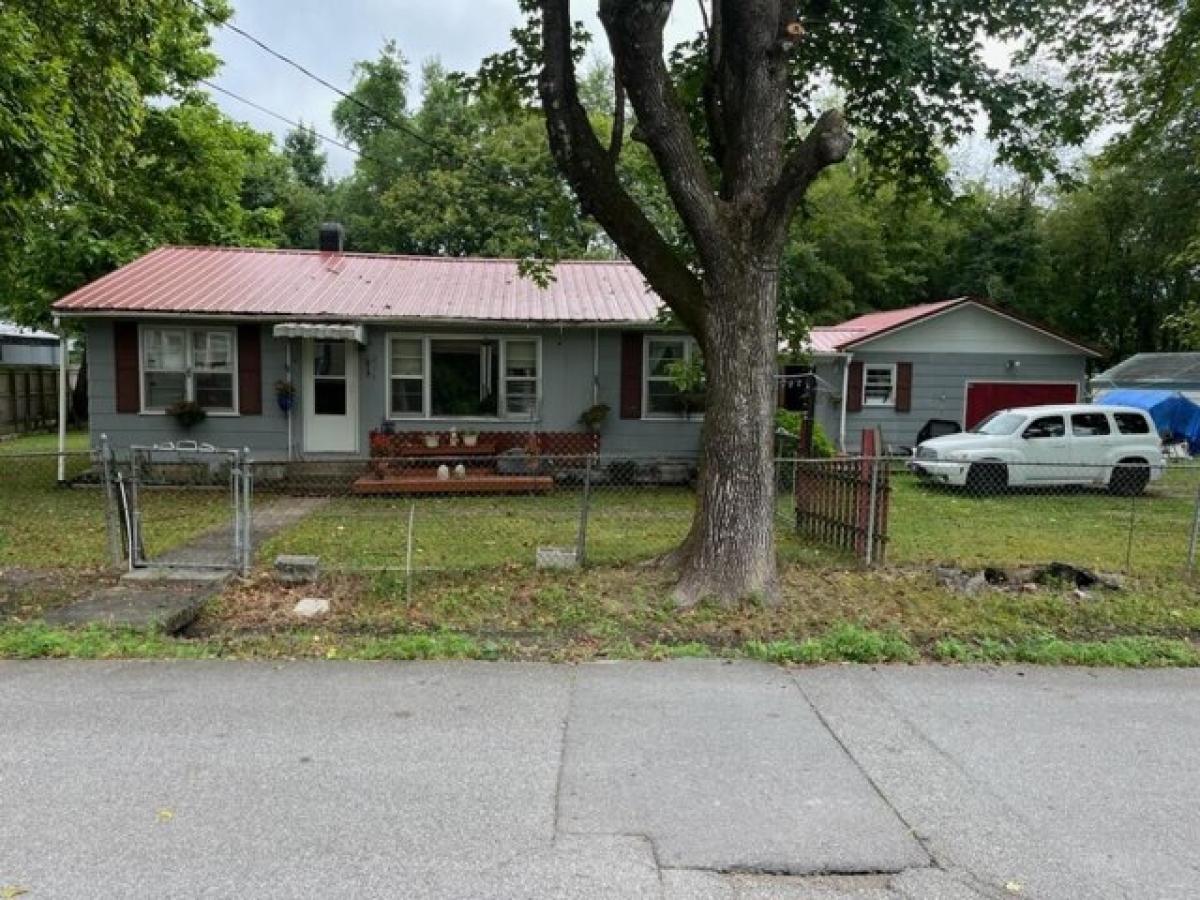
(426, 482)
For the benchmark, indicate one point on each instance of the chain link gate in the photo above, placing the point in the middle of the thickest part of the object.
(180, 505)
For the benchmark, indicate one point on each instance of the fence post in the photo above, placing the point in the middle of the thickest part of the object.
(247, 514)
(1191, 560)
(112, 515)
(871, 512)
(585, 502)
(412, 515)
(1129, 544)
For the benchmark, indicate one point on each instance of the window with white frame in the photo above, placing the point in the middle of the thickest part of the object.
(196, 364)
(448, 377)
(407, 377)
(879, 385)
(520, 378)
(664, 356)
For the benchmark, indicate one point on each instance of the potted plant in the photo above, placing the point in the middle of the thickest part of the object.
(470, 438)
(187, 413)
(432, 440)
(593, 417)
(285, 395)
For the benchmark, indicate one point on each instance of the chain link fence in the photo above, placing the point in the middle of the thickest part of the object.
(460, 515)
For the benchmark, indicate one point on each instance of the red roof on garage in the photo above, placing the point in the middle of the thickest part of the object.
(860, 330)
(303, 283)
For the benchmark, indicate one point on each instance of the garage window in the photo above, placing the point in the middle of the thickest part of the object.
(879, 385)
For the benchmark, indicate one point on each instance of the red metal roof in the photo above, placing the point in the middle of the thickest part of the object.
(310, 284)
(851, 333)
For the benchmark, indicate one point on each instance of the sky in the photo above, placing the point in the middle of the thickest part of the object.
(329, 36)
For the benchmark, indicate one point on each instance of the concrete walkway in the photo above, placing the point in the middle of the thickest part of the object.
(680, 780)
(169, 594)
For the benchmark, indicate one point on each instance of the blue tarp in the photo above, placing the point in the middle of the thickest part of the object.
(1175, 416)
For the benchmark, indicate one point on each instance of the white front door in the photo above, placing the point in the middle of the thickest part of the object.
(330, 392)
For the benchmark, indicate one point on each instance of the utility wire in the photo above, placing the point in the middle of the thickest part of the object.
(282, 118)
(396, 123)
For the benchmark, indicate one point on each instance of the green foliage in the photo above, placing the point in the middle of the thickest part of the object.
(843, 643)
(466, 174)
(1046, 650)
(74, 76)
(792, 423)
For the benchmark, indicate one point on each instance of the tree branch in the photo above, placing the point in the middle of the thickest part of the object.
(713, 116)
(827, 142)
(635, 35)
(618, 123)
(593, 175)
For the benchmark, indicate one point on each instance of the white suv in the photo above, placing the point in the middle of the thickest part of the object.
(1102, 446)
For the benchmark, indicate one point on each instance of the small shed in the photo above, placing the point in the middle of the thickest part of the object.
(1153, 372)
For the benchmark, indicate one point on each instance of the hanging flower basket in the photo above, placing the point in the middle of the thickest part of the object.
(187, 413)
(285, 395)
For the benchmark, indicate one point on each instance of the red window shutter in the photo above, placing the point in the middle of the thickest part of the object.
(631, 375)
(128, 371)
(854, 388)
(250, 370)
(903, 387)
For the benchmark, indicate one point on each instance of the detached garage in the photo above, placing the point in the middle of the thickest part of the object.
(956, 361)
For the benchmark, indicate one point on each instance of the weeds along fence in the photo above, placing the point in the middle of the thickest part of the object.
(463, 514)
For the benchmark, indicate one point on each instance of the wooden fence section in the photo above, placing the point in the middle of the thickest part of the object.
(28, 398)
(844, 503)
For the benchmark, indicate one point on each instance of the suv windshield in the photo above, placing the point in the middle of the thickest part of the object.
(999, 423)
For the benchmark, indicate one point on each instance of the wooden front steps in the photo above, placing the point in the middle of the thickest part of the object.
(426, 482)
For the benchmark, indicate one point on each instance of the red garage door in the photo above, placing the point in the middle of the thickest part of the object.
(985, 397)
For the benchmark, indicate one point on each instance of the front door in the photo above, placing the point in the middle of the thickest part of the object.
(330, 396)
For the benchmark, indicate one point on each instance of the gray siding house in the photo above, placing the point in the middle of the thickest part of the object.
(374, 346)
(955, 360)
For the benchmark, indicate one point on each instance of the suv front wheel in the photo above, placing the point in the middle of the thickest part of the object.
(986, 478)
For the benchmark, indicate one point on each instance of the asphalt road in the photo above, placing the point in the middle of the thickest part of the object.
(680, 780)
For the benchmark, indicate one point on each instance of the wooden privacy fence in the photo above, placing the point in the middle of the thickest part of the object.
(28, 398)
(844, 503)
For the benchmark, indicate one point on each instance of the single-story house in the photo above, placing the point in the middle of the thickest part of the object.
(1179, 372)
(28, 378)
(375, 345)
(954, 360)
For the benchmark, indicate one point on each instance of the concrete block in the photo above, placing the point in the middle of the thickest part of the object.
(293, 569)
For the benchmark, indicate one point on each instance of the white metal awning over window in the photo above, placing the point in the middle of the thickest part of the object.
(321, 331)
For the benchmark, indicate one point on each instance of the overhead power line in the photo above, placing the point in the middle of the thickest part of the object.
(282, 118)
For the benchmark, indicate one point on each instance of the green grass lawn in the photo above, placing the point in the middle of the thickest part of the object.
(931, 524)
(467, 533)
(77, 442)
(44, 526)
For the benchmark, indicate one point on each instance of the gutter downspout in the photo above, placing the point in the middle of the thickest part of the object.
(845, 399)
(62, 401)
(595, 366)
(287, 365)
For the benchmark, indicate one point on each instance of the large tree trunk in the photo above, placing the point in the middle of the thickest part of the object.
(730, 551)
